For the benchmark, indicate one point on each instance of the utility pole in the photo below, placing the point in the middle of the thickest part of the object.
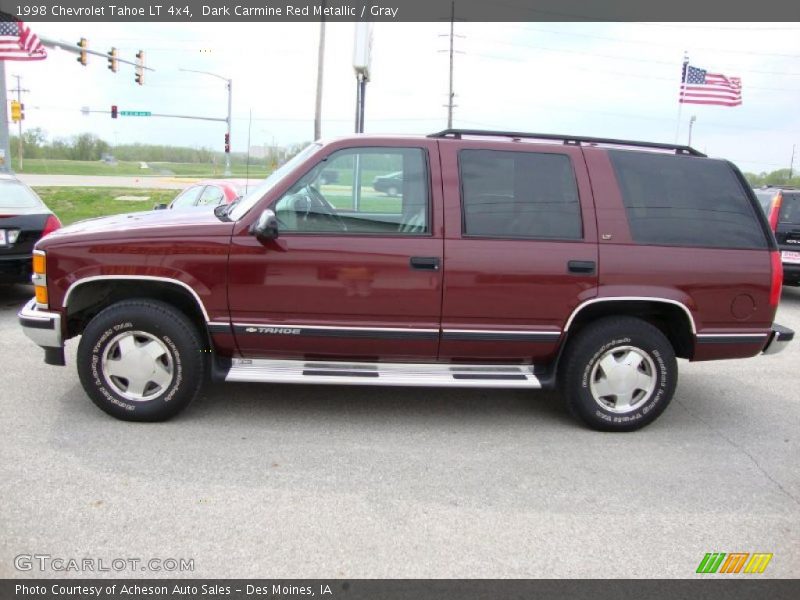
(791, 164)
(320, 72)
(692, 119)
(19, 92)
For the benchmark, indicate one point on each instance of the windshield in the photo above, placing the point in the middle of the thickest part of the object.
(257, 193)
(16, 195)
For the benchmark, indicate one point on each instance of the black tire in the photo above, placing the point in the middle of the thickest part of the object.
(626, 341)
(150, 323)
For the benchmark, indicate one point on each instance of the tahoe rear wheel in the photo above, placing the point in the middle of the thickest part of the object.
(619, 374)
(141, 360)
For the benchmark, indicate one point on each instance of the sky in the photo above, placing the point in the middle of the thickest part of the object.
(615, 80)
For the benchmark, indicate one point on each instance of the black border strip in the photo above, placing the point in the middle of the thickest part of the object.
(491, 336)
(732, 339)
(338, 333)
(742, 587)
(219, 328)
(334, 373)
(425, 10)
(489, 377)
(37, 323)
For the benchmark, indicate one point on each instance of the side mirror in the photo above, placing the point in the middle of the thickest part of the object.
(161, 206)
(266, 227)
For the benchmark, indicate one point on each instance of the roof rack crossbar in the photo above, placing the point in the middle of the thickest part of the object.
(566, 139)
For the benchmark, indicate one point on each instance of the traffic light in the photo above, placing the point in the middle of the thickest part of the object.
(83, 44)
(114, 112)
(140, 67)
(112, 60)
(227, 142)
(16, 111)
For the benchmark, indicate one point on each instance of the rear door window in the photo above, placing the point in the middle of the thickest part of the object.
(685, 201)
(519, 195)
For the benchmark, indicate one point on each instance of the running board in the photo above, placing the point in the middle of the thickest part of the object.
(400, 374)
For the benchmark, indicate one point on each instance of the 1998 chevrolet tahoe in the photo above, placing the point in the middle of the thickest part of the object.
(506, 260)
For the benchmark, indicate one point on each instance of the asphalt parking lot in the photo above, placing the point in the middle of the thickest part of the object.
(299, 481)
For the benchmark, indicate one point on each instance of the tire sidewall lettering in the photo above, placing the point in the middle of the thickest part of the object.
(98, 377)
(662, 381)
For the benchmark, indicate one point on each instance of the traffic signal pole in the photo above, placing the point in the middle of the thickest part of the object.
(229, 87)
(19, 91)
(5, 167)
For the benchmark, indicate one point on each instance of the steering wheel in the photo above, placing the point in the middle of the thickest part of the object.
(318, 200)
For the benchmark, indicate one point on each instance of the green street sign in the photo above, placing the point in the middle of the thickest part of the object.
(135, 113)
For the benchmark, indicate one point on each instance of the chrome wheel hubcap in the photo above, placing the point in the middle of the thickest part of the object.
(623, 379)
(137, 366)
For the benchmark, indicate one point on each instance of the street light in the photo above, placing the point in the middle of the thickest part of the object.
(229, 85)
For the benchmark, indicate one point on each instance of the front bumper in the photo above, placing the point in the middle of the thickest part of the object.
(44, 329)
(778, 339)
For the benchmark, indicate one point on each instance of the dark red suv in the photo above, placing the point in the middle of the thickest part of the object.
(505, 260)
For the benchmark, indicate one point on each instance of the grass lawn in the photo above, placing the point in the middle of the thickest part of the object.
(130, 168)
(72, 204)
(76, 203)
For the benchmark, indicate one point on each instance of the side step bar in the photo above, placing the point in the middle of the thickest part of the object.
(399, 374)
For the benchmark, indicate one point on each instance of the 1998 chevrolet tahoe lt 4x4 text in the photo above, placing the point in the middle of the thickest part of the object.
(503, 260)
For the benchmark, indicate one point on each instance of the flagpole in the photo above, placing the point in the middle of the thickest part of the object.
(680, 97)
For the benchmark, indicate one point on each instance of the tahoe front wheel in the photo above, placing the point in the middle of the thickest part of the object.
(141, 360)
(619, 374)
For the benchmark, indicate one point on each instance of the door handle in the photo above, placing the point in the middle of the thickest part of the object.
(425, 263)
(585, 267)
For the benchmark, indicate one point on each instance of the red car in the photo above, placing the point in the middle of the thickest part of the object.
(507, 260)
(211, 192)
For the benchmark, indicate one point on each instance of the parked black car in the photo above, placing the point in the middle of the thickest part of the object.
(390, 184)
(24, 219)
(782, 206)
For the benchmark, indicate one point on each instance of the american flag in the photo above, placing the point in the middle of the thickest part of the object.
(698, 86)
(18, 42)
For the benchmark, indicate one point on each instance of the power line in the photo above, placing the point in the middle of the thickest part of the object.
(649, 43)
(617, 57)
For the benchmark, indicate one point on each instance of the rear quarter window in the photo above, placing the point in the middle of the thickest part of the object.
(685, 201)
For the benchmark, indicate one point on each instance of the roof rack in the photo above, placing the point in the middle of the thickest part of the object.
(570, 140)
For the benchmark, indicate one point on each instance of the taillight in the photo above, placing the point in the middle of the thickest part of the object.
(774, 211)
(777, 278)
(51, 225)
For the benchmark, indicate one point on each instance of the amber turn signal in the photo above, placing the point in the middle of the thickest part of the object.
(39, 264)
(41, 294)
